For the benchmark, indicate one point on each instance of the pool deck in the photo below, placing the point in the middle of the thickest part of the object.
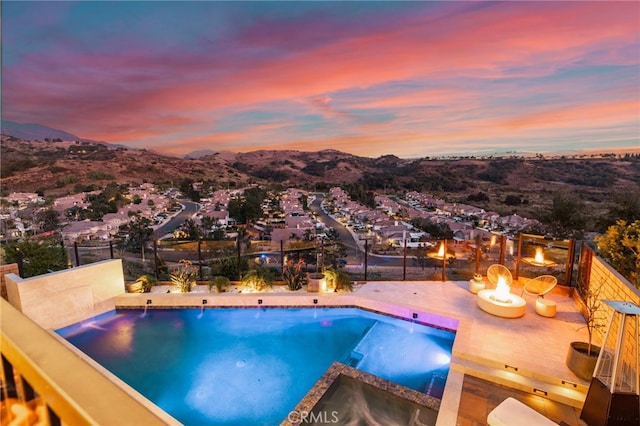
(526, 354)
(492, 348)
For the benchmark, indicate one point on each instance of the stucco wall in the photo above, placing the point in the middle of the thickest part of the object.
(610, 285)
(64, 297)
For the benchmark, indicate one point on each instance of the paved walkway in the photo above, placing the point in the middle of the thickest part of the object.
(480, 397)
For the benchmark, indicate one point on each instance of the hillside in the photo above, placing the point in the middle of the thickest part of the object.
(505, 185)
(58, 167)
(32, 131)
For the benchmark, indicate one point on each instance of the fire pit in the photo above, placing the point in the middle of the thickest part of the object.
(440, 254)
(539, 260)
(499, 301)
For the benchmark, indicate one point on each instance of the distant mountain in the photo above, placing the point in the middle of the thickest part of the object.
(32, 131)
(200, 153)
(496, 183)
(38, 132)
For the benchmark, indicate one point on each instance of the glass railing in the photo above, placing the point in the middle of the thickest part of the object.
(526, 256)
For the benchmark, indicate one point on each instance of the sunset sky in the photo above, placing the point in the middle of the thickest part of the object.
(412, 79)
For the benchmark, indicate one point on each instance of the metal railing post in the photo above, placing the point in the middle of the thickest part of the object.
(200, 259)
(404, 262)
(517, 271)
(75, 250)
(478, 252)
(444, 261)
(568, 270)
(366, 249)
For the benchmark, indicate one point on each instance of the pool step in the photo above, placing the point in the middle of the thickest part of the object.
(355, 359)
(359, 351)
(436, 385)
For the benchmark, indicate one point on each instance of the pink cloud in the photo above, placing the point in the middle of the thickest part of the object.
(160, 96)
(589, 115)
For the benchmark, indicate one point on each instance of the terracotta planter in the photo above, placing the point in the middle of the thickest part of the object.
(315, 283)
(581, 364)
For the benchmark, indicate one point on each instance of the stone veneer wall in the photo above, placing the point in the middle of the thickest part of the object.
(613, 286)
(12, 268)
(64, 297)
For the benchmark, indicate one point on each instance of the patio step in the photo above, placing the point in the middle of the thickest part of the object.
(535, 383)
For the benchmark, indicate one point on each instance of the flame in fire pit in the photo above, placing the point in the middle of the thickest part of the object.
(502, 293)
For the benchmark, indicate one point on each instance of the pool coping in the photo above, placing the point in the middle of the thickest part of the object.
(274, 300)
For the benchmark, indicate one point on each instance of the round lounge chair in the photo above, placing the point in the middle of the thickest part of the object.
(539, 286)
(497, 270)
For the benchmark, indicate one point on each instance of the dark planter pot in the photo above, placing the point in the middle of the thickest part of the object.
(579, 362)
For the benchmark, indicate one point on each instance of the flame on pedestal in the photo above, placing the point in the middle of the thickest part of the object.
(502, 292)
(539, 257)
(441, 251)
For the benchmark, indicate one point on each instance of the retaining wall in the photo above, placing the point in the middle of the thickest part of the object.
(64, 297)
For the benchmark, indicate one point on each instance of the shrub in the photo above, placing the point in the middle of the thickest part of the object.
(219, 282)
(258, 279)
(184, 277)
(621, 245)
(38, 256)
(228, 267)
(337, 280)
(147, 282)
(294, 275)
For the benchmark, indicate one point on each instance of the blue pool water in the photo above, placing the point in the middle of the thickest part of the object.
(228, 366)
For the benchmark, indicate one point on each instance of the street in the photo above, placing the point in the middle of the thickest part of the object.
(355, 248)
(190, 208)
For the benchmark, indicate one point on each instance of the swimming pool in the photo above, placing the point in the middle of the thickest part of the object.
(232, 366)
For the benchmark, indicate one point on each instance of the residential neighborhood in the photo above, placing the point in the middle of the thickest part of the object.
(286, 216)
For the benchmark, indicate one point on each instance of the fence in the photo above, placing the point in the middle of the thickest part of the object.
(527, 256)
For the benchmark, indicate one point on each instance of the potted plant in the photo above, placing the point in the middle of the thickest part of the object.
(142, 284)
(184, 277)
(314, 281)
(337, 280)
(293, 275)
(135, 287)
(219, 282)
(582, 356)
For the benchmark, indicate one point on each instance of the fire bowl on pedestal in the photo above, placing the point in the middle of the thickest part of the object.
(510, 306)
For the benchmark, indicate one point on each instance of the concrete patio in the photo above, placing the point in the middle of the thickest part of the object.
(525, 354)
